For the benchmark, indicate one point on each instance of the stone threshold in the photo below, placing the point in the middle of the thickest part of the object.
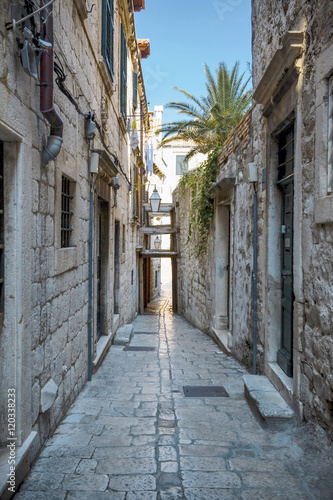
(102, 347)
(266, 400)
(24, 456)
(222, 339)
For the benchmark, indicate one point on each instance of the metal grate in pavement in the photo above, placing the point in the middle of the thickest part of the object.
(139, 348)
(145, 333)
(205, 391)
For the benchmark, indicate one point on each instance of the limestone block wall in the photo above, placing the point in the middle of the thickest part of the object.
(194, 271)
(43, 340)
(313, 265)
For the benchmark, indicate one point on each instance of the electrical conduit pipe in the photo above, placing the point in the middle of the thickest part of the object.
(54, 141)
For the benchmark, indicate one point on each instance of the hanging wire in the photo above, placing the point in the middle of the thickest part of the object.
(15, 23)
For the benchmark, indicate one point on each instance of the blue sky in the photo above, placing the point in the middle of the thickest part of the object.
(183, 35)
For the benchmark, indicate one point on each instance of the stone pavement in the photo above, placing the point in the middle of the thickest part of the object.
(133, 435)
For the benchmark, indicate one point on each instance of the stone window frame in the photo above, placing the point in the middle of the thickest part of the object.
(323, 212)
(66, 258)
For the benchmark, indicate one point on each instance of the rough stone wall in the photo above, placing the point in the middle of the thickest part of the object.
(270, 21)
(194, 272)
(46, 314)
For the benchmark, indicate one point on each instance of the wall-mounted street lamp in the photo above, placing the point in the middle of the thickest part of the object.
(155, 201)
(158, 243)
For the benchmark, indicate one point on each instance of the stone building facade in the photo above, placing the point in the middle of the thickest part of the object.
(69, 222)
(273, 310)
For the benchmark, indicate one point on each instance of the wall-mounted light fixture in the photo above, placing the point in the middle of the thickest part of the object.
(116, 186)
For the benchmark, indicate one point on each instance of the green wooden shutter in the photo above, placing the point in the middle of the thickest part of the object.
(107, 35)
(123, 73)
(135, 89)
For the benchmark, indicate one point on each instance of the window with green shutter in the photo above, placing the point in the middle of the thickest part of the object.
(107, 34)
(135, 90)
(123, 73)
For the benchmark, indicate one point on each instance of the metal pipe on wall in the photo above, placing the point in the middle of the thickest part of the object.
(255, 238)
(54, 141)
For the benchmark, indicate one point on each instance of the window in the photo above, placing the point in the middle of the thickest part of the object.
(123, 73)
(107, 34)
(123, 249)
(330, 136)
(181, 165)
(66, 212)
(286, 155)
(156, 279)
(135, 90)
(2, 231)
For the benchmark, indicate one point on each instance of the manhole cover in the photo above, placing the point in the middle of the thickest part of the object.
(139, 348)
(145, 333)
(205, 391)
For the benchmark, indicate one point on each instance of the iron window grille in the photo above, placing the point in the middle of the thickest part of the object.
(66, 212)
(2, 231)
(123, 74)
(330, 136)
(108, 35)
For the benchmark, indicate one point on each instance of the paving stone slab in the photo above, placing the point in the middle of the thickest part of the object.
(124, 452)
(42, 481)
(86, 482)
(141, 495)
(96, 495)
(211, 494)
(213, 479)
(133, 482)
(203, 450)
(172, 494)
(126, 466)
(62, 465)
(202, 463)
(40, 495)
(86, 466)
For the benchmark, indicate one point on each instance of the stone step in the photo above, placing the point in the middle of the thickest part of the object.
(124, 335)
(266, 400)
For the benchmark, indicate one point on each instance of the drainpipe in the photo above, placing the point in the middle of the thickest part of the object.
(255, 237)
(54, 141)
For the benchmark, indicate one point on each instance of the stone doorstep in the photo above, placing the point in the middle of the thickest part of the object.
(221, 338)
(23, 461)
(124, 335)
(102, 348)
(262, 395)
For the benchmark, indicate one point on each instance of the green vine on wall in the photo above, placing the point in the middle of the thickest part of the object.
(199, 181)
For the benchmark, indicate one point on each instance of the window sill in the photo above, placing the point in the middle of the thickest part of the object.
(65, 259)
(324, 210)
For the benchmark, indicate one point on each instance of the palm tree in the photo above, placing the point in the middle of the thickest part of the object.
(209, 120)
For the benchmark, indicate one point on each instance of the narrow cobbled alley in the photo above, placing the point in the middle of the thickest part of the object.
(133, 434)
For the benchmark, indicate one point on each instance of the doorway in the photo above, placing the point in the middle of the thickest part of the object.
(102, 239)
(222, 272)
(285, 184)
(116, 287)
